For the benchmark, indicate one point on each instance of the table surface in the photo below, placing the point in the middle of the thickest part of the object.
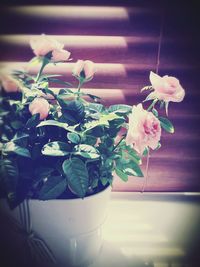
(155, 230)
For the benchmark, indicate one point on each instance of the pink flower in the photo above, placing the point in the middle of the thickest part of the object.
(42, 45)
(60, 55)
(9, 84)
(144, 129)
(41, 106)
(84, 69)
(166, 88)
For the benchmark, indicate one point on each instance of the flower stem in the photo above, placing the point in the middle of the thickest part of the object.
(44, 63)
(119, 143)
(79, 88)
(146, 172)
(152, 104)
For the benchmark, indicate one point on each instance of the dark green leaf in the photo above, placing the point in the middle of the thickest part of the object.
(11, 147)
(96, 107)
(65, 92)
(74, 138)
(89, 140)
(155, 112)
(66, 117)
(16, 124)
(166, 124)
(54, 80)
(94, 97)
(9, 176)
(33, 121)
(20, 135)
(77, 176)
(145, 152)
(103, 121)
(56, 148)
(133, 168)
(48, 91)
(43, 172)
(53, 188)
(86, 151)
(121, 174)
(121, 109)
(56, 123)
(74, 107)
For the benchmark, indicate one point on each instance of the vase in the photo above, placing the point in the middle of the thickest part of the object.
(61, 232)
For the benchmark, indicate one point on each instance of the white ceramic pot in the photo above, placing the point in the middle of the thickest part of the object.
(67, 231)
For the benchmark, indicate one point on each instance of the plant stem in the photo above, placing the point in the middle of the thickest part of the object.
(152, 104)
(44, 63)
(146, 172)
(119, 143)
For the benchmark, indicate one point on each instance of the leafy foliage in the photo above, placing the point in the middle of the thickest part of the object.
(74, 149)
(77, 176)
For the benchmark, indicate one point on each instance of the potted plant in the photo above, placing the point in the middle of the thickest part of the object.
(60, 148)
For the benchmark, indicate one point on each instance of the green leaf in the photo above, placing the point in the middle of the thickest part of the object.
(45, 76)
(133, 168)
(57, 124)
(128, 166)
(54, 80)
(96, 107)
(121, 109)
(53, 188)
(145, 152)
(48, 91)
(121, 174)
(166, 124)
(131, 153)
(9, 176)
(74, 107)
(68, 118)
(20, 135)
(16, 124)
(103, 121)
(89, 140)
(86, 151)
(8, 168)
(65, 92)
(11, 147)
(56, 148)
(74, 138)
(155, 112)
(43, 172)
(94, 97)
(34, 61)
(33, 121)
(77, 176)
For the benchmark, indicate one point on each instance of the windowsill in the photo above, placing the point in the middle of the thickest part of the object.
(151, 229)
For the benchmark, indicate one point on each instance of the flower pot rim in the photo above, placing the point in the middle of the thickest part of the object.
(73, 199)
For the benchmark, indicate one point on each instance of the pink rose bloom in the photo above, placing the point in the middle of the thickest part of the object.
(9, 84)
(41, 106)
(87, 67)
(166, 88)
(60, 55)
(144, 129)
(42, 45)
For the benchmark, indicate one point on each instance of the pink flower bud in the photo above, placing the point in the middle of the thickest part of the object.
(41, 106)
(84, 69)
